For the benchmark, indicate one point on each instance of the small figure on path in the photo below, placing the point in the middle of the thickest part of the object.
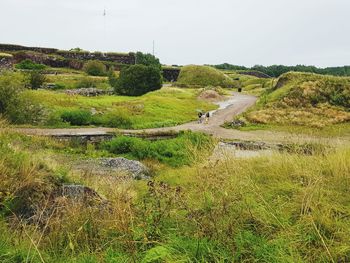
(207, 115)
(200, 114)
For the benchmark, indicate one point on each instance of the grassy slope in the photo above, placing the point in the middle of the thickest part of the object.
(304, 99)
(250, 84)
(282, 208)
(166, 107)
(204, 76)
(72, 80)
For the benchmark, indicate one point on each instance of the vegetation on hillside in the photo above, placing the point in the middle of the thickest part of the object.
(203, 76)
(29, 65)
(74, 80)
(304, 99)
(251, 84)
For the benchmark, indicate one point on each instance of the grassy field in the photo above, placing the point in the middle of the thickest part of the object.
(280, 208)
(166, 107)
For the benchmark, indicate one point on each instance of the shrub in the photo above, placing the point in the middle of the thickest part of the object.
(77, 117)
(138, 80)
(95, 68)
(112, 78)
(14, 106)
(147, 60)
(86, 83)
(36, 79)
(29, 65)
(204, 76)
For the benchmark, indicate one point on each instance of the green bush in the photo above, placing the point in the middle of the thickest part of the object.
(148, 60)
(14, 106)
(112, 78)
(95, 68)
(36, 79)
(203, 76)
(77, 117)
(29, 65)
(138, 80)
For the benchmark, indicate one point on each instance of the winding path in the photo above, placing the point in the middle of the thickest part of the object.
(229, 108)
(232, 106)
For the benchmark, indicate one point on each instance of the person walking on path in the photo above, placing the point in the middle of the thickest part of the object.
(207, 115)
(200, 114)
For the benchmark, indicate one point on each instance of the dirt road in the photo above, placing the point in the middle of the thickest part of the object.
(234, 105)
(229, 108)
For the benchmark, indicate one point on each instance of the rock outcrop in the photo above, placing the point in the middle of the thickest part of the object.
(134, 168)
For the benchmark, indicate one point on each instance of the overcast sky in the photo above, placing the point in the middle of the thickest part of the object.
(243, 32)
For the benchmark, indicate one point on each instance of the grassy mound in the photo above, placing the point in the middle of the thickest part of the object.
(304, 99)
(204, 76)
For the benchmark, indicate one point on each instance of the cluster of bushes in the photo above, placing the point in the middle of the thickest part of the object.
(28, 64)
(203, 76)
(114, 119)
(182, 150)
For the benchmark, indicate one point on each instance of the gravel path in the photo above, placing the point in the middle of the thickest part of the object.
(229, 108)
(234, 105)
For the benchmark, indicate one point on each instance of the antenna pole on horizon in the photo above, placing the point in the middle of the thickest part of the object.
(153, 47)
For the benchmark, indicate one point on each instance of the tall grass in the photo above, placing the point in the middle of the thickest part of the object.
(290, 207)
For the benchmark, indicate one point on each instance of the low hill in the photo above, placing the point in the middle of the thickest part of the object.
(304, 99)
(204, 76)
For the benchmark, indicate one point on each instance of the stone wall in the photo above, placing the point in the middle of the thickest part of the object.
(6, 63)
(171, 74)
(122, 58)
(257, 74)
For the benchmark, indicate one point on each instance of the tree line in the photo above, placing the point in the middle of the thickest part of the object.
(277, 70)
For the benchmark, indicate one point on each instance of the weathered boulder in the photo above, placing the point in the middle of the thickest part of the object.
(134, 168)
(88, 92)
